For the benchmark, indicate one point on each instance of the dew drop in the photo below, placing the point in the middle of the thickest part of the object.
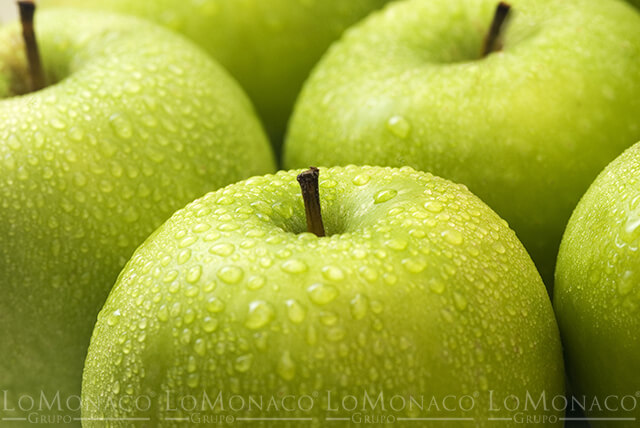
(286, 367)
(437, 286)
(336, 334)
(321, 294)
(434, 206)
(214, 305)
(194, 274)
(222, 250)
(384, 196)
(230, 274)
(294, 266)
(200, 347)
(295, 311)
(121, 126)
(332, 273)
(453, 237)
(243, 363)
(460, 301)
(399, 126)
(359, 306)
(260, 314)
(209, 325)
(361, 179)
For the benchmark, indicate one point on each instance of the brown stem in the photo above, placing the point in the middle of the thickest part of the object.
(308, 181)
(492, 42)
(27, 10)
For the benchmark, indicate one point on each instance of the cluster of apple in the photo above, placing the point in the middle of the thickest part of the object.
(368, 291)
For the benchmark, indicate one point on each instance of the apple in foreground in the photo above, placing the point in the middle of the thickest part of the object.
(134, 123)
(269, 46)
(418, 290)
(597, 293)
(527, 127)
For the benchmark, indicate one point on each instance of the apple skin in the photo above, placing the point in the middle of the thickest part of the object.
(139, 123)
(527, 129)
(418, 288)
(597, 293)
(268, 46)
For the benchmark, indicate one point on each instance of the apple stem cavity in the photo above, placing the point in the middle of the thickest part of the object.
(308, 181)
(27, 11)
(493, 40)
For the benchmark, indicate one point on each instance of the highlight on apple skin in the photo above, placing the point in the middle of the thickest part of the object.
(527, 128)
(417, 290)
(597, 293)
(134, 123)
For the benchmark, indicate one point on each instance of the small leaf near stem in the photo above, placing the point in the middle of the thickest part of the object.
(493, 40)
(27, 10)
(308, 181)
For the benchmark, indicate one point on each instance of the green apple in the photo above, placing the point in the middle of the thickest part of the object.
(269, 46)
(526, 128)
(418, 290)
(597, 293)
(135, 123)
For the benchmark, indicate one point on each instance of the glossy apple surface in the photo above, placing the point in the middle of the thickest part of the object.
(269, 46)
(135, 123)
(597, 294)
(527, 128)
(418, 290)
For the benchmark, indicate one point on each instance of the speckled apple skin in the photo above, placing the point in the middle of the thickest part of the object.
(269, 46)
(418, 289)
(597, 294)
(527, 129)
(140, 123)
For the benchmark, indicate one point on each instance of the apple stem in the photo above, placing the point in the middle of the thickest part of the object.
(308, 181)
(493, 43)
(27, 11)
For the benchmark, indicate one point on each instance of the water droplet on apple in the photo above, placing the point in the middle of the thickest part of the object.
(286, 368)
(283, 209)
(260, 314)
(223, 250)
(459, 301)
(359, 306)
(230, 274)
(121, 126)
(321, 294)
(114, 318)
(453, 237)
(499, 247)
(332, 273)
(434, 206)
(193, 274)
(437, 286)
(209, 325)
(361, 179)
(214, 305)
(396, 244)
(626, 283)
(76, 134)
(163, 313)
(184, 256)
(399, 126)
(632, 223)
(336, 334)
(295, 311)
(414, 264)
(294, 266)
(243, 363)
(384, 196)
(58, 124)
